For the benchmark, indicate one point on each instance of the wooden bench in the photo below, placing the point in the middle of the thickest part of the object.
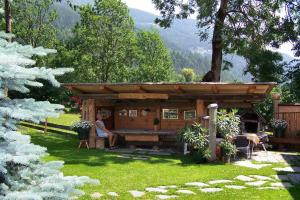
(100, 143)
(139, 135)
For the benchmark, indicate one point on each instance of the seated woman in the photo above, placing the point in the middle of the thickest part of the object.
(103, 132)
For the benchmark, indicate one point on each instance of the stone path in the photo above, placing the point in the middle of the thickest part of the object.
(289, 177)
(249, 164)
(136, 193)
(237, 187)
(211, 190)
(219, 181)
(197, 184)
(185, 192)
(166, 196)
(153, 189)
(244, 178)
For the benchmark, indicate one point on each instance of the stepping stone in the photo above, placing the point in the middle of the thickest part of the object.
(295, 178)
(166, 196)
(281, 177)
(167, 186)
(263, 178)
(124, 156)
(140, 158)
(96, 195)
(219, 181)
(113, 194)
(211, 190)
(197, 184)
(237, 187)
(287, 169)
(153, 189)
(244, 178)
(268, 188)
(282, 184)
(136, 193)
(256, 183)
(185, 192)
(249, 164)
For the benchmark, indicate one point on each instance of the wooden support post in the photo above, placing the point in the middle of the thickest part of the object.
(213, 108)
(276, 101)
(200, 110)
(89, 114)
(46, 125)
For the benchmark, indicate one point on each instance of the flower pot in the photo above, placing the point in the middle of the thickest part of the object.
(83, 134)
(155, 127)
(226, 159)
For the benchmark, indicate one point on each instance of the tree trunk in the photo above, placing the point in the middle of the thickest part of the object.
(8, 17)
(217, 42)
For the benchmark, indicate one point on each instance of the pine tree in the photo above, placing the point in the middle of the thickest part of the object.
(22, 173)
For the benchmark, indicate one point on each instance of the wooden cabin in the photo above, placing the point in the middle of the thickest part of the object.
(129, 109)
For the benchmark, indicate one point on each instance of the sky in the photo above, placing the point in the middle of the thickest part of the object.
(145, 5)
(148, 6)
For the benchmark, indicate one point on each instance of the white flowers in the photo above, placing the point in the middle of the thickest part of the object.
(82, 125)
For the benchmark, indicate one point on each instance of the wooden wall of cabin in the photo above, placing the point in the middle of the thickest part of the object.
(154, 110)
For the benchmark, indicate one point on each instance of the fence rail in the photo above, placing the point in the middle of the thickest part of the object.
(49, 127)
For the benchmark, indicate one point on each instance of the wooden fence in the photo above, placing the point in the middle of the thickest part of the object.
(291, 114)
(49, 127)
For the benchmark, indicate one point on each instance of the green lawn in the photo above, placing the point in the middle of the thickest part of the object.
(120, 174)
(65, 119)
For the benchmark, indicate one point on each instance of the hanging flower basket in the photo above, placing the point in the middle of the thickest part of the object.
(83, 129)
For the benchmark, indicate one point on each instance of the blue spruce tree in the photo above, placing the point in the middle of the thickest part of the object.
(23, 175)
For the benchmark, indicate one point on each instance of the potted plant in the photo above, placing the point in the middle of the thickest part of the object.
(83, 129)
(279, 127)
(227, 149)
(156, 123)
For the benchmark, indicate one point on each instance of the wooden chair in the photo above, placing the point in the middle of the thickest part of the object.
(85, 143)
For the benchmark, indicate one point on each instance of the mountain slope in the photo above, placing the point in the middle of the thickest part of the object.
(181, 38)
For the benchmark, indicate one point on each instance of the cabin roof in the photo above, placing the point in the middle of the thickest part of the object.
(251, 92)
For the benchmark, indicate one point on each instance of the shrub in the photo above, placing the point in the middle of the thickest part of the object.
(228, 123)
(279, 126)
(228, 149)
(196, 137)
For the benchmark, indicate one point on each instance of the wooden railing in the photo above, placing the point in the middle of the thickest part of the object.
(49, 127)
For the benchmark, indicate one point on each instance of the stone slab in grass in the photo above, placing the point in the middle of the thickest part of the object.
(113, 194)
(185, 192)
(256, 183)
(211, 190)
(287, 169)
(197, 184)
(219, 181)
(268, 188)
(136, 193)
(249, 164)
(281, 177)
(244, 178)
(263, 178)
(294, 178)
(282, 184)
(96, 195)
(167, 186)
(140, 158)
(156, 189)
(236, 187)
(166, 196)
